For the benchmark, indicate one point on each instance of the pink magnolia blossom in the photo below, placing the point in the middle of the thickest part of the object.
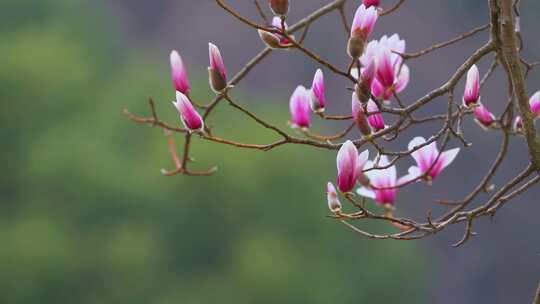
(471, 96)
(190, 118)
(318, 97)
(179, 73)
(376, 120)
(218, 75)
(333, 200)
(349, 166)
(369, 3)
(384, 182)
(483, 116)
(392, 76)
(275, 40)
(300, 109)
(429, 159)
(364, 21)
(534, 103)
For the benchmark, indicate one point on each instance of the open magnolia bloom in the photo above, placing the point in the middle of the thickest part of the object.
(384, 183)
(429, 161)
(392, 76)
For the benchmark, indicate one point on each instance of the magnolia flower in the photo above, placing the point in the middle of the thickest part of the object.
(333, 200)
(275, 40)
(369, 3)
(216, 70)
(362, 26)
(471, 96)
(392, 76)
(299, 106)
(376, 120)
(318, 97)
(429, 160)
(483, 116)
(190, 118)
(349, 166)
(384, 182)
(534, 103)
(359, 116)
(179, 73)
(279, 7)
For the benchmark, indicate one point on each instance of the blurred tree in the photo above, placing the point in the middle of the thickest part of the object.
(87, 218)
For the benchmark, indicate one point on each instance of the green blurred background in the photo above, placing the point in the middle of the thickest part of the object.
(86, 217)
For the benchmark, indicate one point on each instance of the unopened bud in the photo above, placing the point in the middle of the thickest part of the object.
(279, 7)
(217, 83)
(359, 116)
(356, 46)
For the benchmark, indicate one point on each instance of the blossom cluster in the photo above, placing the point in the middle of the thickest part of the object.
(380, 73)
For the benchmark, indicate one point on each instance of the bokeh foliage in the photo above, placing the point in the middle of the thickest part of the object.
(85, 216)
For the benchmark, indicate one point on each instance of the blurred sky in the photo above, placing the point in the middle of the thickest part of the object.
(112, 173)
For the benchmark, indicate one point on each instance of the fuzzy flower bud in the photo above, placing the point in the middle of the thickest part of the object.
(216, 70)
(279, 7)
(362, 26)
(359, 116)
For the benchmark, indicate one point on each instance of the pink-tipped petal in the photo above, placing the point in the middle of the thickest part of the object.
(300, 108)
(333, 200)
(376, 120)
(403, 78)
(472, 87)
(364, 21)
(385, 69)
(179, 73)
(368, 72)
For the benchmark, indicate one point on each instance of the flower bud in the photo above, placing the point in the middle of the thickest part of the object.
(318, 97)
(216, 71)
(276, 40)
(471, 96)
(359, 116)
(356, 46)
(483, 117)
(300, 110)
(279, 7)
(333, 200)
(350, 166)
(362, 26)
(189, 117)
(179, 73)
